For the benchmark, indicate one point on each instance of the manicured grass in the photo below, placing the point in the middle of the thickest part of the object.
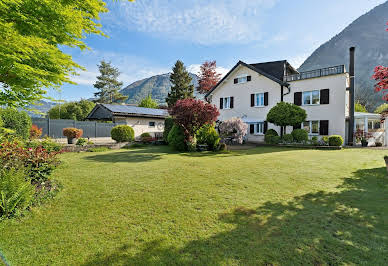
(260, 206)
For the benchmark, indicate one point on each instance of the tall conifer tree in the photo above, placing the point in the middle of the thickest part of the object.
(182, 88)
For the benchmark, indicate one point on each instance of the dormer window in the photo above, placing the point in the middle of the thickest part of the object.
(242, 79)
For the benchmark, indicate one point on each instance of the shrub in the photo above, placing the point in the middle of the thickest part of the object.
(299, 135)
(16, 193)
(275, 139)
(271, 132)
(72, 133)
(18, 121)
(168, 124)
(379, 144)
(35, 132)
(335, 140)
(325, 140)
(207, 134)
(234, 128)
(314, 140)
(176, 138)
(82, 142)
(288, 138)
(268, 137)
(98, 149)
(146, 137)
(47, 143)
(192, 145)
(122, 133)
(286, 114)
(37, 162)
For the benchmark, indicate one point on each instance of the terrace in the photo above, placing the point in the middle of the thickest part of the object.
(316, 73)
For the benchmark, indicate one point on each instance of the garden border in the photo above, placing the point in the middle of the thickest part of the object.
(301, 146)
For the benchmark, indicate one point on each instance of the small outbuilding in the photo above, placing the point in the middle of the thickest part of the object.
(139, 118)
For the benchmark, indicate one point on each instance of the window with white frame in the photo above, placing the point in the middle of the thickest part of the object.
(242, 78)
(311, 97)
(226, 103)
(259, 99)
(312, 127)
(259, 128)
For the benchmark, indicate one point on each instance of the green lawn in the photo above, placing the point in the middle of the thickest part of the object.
(260, 206)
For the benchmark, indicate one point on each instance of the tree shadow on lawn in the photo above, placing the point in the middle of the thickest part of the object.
(346, 227)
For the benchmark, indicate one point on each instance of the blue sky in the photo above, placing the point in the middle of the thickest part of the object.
(146, 37)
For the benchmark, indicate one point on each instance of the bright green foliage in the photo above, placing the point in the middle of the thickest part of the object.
(122, 133)
(288, 138)
(148, 102)
(32, 33)
(358, 107)
(325, 140)
(181, 84)
(207, 134)
(72, 110)
(299, 135)
(286, 114)
(336, 140)
(47, 143)
(381, 108)
(107, 84)
(168, 124)
(176, 138)
(16, 193)
(19, 121)
(82, 142)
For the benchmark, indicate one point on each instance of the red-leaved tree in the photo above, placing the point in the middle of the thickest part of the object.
(381, 77)
(191, 114)
(208, 76)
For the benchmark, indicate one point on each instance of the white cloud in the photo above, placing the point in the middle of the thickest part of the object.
(195, 68)
(200, 21)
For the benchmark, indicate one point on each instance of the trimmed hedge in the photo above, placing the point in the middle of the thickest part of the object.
(19, 121)
(288, 138)
(122, 133)
(176, 138)
(299, 135)
(207, 134)
(336, 140)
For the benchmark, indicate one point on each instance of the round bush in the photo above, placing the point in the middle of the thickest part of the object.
(275, 139)
(271, 132)
(122, 133)
(336, 140)
(288, 138)
(207, 134)
(18, 121)
(299, 135)
(168, 124)
(145, 137)
(82, 142)
(176, 138)
(72, 133)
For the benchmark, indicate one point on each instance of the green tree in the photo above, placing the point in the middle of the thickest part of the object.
(286, 114)
(72, 110)
(358, 107)
(32, 36)
(148, 102)
(107, 84)
(181, 84)
(381, 108)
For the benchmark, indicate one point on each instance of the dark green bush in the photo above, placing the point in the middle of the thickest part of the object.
(18, 121)
(122, 133)
(146, 137)
(288, 138)
(268, 137)
(207, 134)
(16, 193)
(82, 142)
(168, 124)
(336, 140)
(314, 140)
(299, 135)
(271, 132)
(275, 139)
(176, 138)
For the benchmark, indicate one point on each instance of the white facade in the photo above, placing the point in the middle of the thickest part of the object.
(333, 112)
(143, 125)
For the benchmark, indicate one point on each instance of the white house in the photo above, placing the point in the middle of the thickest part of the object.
(249, 91)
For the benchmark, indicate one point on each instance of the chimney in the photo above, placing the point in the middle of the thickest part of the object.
(351, 97)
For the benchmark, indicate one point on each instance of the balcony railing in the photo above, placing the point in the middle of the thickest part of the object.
(316, 73)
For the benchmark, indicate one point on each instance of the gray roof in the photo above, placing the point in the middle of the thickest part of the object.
(128, 110)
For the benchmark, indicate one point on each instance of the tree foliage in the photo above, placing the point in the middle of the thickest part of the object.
(286, 114)
(208, 76)
(72, 110)
(148, 102)
(381, 77)
(181, 84)
(192, 114)
(18, 121)
(358, 107)
(234, 128)
(381, 108)
(107, 84)
(32, 35)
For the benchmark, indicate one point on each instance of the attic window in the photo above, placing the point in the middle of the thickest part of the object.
(242, 79)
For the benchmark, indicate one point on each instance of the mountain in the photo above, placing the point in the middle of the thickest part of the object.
(368, 35)
(40, 108)
(158, 86)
